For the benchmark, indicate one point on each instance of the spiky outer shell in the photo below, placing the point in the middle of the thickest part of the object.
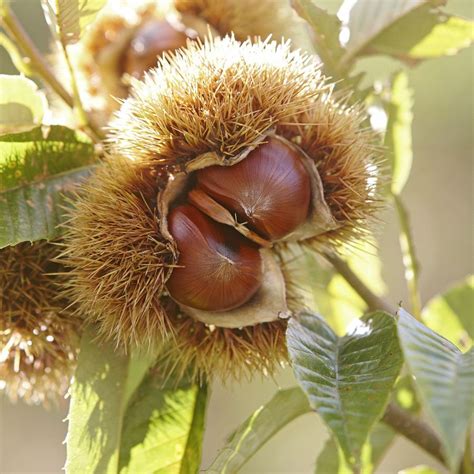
(38, 334)
(221, 97)
(249, 19)
(231, 354)
(100, 81)
(119, 261)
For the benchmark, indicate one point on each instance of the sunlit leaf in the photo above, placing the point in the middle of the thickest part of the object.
(444, 380)
(398, 136)
(163, 428)
(264, 423)
(367, 19)
(423, 35)
(326, 29)
(451, 314)
(69, 18)
(348, 379)
(22, 105)
(122, 420)
(37, 168)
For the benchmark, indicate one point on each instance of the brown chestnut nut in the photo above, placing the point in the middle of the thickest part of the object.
(153, 39)
(218, 269)
(270, 189)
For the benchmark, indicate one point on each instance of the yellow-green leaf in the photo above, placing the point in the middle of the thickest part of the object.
(398, 136)
(37, 169)
(451, 314)
(125, 419)
(424, 34)
(69, 18)
(22, 104)
(444, 378)
(284, 407)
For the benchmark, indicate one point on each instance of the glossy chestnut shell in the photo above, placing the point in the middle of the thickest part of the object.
(218, 269)
(269, 190)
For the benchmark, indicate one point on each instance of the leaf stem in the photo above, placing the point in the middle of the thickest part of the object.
(415, 430)
(84, 119)
(15, 29)
(409, 257)
(373, 301)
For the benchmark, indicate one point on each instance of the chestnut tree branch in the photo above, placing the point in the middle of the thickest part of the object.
(12, 25)
(373, 301)
(414, 429)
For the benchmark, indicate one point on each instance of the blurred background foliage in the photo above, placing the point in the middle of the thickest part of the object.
(439, 198)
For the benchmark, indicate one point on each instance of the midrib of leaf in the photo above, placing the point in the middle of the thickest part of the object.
(123, 405)
(265, 422)
(338, 395)
(242, 439)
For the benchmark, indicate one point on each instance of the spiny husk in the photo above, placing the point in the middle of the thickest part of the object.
(349, 163)
(38, 336)
(215, 101)
(120, 257)
(97, 54)
(210, 351)
(101, 83)
(119, 261)
(220, 97)
(248, 18)
(224, 96)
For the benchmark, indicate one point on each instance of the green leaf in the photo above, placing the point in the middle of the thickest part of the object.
(450, 314)
(367, 19)
(326, 29)
(22, 105)
(122, 420)
(422, 35)
(348, 379)
(17, 59)
(444, 379)
(69, 18)
(331, 459)
(398, 136)
(285, 406)
(37, 168)
(163, 428)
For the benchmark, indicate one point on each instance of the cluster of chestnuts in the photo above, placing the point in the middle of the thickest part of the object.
(225, 151)
(219, 266)
(221, 158)
(127, 38)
